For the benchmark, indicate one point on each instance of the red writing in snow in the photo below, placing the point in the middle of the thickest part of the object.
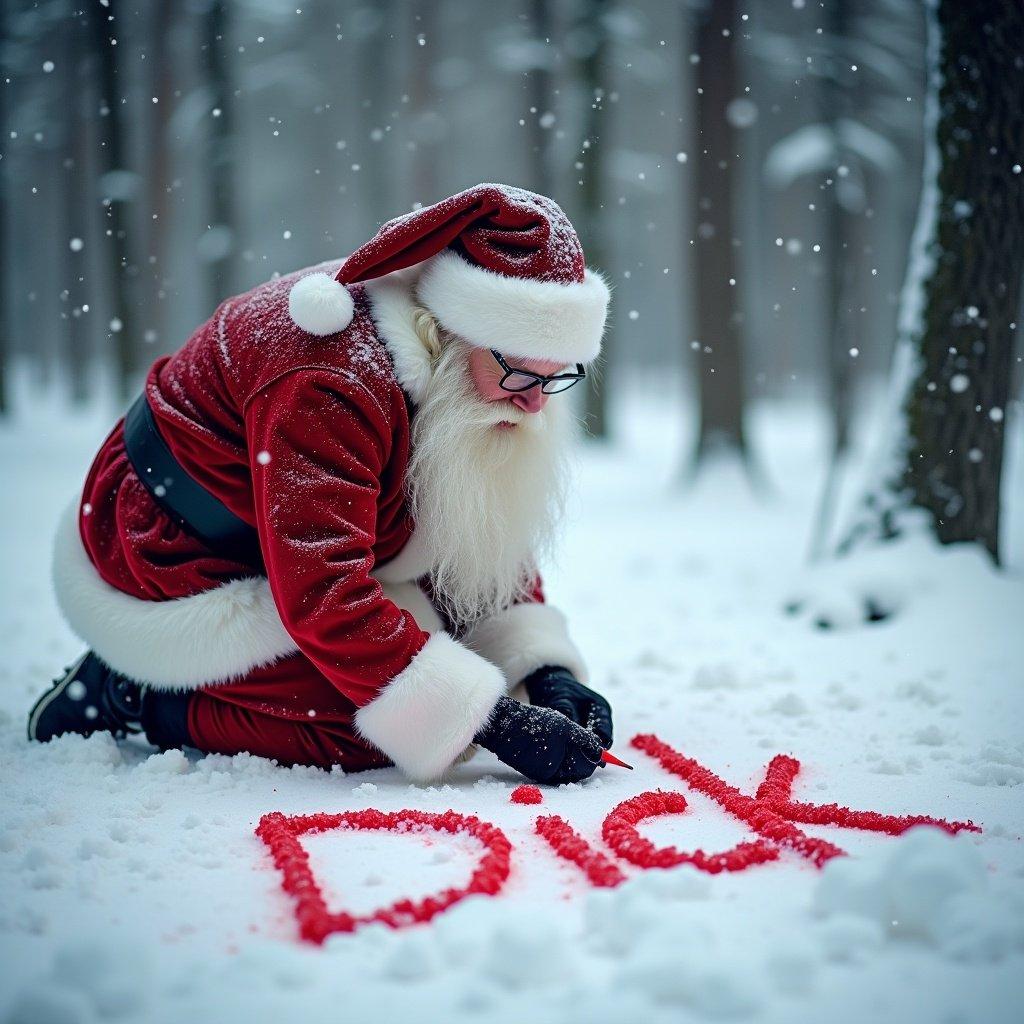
(316, 921)
(771, 813)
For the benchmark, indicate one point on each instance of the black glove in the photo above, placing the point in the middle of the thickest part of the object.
(557, 688)
(540, 743)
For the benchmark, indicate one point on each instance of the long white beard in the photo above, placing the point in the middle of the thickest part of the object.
(487, 502)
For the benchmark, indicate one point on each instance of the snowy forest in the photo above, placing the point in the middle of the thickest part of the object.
(749, 177)
(792, 556)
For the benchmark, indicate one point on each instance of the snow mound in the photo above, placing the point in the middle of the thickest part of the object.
(928, 887)
(653, 927)
(718, 676)
(519, 954)
(90, 978)
(887, 579)
(706, 979)
(617, 919)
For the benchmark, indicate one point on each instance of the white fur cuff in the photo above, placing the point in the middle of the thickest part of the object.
(525, 637)
(429, 713)
(183, 644)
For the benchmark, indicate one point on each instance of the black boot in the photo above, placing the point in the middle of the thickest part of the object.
(90, 697)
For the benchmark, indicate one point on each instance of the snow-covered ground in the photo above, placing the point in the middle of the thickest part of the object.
(134, 888)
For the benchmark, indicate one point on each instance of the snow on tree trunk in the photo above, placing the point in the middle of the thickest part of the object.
(963, 289)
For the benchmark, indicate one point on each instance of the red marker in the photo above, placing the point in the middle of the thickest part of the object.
(609, 758)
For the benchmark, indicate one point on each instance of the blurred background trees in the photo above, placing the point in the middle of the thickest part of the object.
(723, 108)
(747, 174)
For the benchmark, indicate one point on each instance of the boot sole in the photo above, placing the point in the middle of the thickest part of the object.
(51, 695)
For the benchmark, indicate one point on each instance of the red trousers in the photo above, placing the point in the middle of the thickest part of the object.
(287, 711)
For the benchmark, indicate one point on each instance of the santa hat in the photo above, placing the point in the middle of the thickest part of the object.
(500, 266)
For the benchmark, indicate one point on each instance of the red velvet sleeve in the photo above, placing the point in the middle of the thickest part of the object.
(318, 443)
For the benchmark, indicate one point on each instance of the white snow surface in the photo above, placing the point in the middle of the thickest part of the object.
(134, 888)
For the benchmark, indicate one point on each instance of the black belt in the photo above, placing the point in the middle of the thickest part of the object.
(187, 502)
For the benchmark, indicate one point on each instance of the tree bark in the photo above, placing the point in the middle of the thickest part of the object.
(103, 25)
(374, 69)
(718, 314)
(223, 215)
(541, 99)
(5, 186)
(592, 69)
(74, 200)
(965, 279)
(161, 74)
(426, 48)
(839, 273)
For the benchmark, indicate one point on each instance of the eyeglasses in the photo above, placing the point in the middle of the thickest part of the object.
(517, 380)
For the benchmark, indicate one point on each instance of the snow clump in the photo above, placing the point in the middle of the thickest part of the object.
(664, 950)
(927, 887)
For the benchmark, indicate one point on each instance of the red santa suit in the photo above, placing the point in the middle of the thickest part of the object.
(292, 405)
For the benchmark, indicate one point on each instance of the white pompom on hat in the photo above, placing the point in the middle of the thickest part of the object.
(320, 304)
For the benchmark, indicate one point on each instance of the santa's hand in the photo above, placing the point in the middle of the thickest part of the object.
(540, 743)
(557, 688)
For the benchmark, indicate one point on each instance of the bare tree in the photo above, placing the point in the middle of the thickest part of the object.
(839, 267)
(863, 63)
(592, 71)
(426, 124)
(5, 343)
(541, 91)
(719, 318)
(158, 170)
(374, 33)
(964, 286)
(116, 185)
(222, 241)
(75, 199)
(33, 121)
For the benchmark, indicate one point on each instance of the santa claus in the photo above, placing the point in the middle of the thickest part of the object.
(315, 535)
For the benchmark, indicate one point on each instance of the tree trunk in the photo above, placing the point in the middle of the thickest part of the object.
(963, 293)
(5, 188)
(541, 100)
(159, 169)
(104, 26)
(839, 276)
(592, 69)
(374, 66)
(75, 199)
(223, 219)
(427, 48)
(719, 317)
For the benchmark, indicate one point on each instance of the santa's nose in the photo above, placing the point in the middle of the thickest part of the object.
(530, 401)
